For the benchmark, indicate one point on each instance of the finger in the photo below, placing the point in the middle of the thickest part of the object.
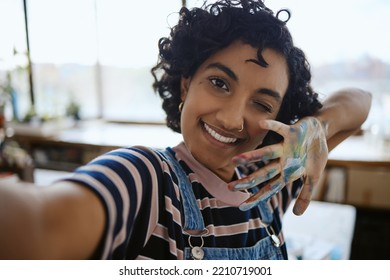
(262, 195)
(265, 173)
(293, 170)
(262, 154)
(278, 127)
(304, 197)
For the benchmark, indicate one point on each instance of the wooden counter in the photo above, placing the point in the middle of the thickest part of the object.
(69, 148)
(361, 151)
(359, 173)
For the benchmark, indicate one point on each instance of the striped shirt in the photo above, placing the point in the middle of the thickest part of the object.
(140, 191)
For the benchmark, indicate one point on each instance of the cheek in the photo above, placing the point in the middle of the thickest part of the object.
(198, 105)
(189, 113)
(190, 117)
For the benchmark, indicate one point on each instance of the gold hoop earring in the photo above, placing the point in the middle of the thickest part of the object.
(242, 127)
(181, 106)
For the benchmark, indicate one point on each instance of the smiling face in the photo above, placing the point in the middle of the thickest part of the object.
(228, 92)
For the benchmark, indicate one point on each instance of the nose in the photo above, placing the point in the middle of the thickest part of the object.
(231, 115)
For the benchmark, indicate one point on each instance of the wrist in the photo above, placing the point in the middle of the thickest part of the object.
(317, 123)
(323, 124)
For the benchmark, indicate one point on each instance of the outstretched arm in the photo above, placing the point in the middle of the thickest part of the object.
(304, 149)
(63, 221)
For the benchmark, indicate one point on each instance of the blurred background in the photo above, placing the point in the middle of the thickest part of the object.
(97, 54)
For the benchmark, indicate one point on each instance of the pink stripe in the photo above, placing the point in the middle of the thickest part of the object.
(162, 233)
(211, 182)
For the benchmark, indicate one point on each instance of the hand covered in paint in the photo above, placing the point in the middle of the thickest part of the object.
(302, 153)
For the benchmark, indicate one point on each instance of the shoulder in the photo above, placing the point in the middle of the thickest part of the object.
(133, 167)
(131, 181)
(140, 157)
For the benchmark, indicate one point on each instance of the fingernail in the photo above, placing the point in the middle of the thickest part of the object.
(297, 210)
(300, 208)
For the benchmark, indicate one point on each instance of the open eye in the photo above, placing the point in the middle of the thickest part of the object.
(219, 83)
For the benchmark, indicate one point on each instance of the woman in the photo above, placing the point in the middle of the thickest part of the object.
(255, 136)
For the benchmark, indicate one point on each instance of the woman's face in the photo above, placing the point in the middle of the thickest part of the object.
(228, 91)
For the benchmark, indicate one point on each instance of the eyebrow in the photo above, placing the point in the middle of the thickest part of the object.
(223, 68)
(232, 75)
(271, 93)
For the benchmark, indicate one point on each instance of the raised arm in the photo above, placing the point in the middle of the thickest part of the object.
(63, 221)
(343, 113)
(304, 149)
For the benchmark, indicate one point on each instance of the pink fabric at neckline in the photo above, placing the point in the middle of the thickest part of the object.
(211, 182)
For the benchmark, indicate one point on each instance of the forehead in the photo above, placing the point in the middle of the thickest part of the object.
(242, 59)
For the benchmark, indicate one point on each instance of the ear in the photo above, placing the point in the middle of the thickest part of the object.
(184, 85)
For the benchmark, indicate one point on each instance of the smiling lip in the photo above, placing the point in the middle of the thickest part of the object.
(218, 137)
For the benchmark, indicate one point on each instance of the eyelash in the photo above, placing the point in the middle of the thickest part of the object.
(215, 81)
(263, 107)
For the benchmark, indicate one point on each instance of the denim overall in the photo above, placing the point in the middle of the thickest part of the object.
(266, 249)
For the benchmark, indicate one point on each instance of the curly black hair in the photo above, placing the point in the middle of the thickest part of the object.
(201, 32)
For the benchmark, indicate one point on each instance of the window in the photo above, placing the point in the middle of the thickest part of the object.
(346, 43)
(98, 53)
(13, 60)
(128, 34)
(64, 55)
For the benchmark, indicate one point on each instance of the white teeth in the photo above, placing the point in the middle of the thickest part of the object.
(219, 137)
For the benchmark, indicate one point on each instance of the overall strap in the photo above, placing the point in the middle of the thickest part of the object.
(193, 219)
